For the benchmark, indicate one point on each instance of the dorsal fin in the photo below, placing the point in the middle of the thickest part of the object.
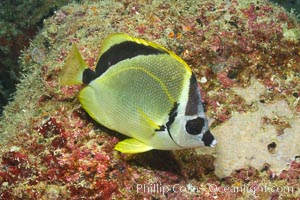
(118, 38)
(119, 46)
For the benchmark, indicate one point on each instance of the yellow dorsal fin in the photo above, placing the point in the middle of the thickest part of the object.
(132, 146)
(113, 39)
(117, 38)
(71, 73)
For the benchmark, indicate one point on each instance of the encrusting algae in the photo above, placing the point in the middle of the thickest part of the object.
(245, 57)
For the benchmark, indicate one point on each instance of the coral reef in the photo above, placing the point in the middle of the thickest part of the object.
(246, 57)
(289, 5)
(19, 22)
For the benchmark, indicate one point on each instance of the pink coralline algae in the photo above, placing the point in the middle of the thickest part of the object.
(225, 80)
(57, 156)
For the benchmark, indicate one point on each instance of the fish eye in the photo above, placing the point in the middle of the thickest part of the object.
(194, 126)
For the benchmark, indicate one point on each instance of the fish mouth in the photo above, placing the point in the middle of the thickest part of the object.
(209, 139)
(214, 143)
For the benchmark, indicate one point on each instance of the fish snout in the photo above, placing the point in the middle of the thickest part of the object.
(208, 139)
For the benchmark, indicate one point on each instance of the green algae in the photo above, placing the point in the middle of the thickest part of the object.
(291, 34)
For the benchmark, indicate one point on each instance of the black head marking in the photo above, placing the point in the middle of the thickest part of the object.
(172, 115)
(194, 126)
(208, 138)
(194, 97)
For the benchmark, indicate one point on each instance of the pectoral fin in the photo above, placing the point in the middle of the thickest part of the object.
(147, 121)
(132, 146)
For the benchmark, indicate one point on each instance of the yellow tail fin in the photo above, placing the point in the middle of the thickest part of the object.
(71, 73)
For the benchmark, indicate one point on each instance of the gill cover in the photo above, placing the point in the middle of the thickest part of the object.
(141, 90)
(190, 125)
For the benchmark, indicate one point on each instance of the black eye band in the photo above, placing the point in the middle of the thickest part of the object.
(194, 126)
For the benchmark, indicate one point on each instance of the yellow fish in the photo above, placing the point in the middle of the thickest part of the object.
(142, 90)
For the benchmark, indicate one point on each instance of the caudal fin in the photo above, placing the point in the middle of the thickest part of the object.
(72, 71)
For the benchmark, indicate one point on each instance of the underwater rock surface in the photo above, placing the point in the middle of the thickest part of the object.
(19, 23)
(246, 57)
(268, 135)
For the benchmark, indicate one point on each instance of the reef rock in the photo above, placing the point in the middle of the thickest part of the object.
(268, 136)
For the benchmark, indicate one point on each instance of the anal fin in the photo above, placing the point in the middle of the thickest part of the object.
(132, 146)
